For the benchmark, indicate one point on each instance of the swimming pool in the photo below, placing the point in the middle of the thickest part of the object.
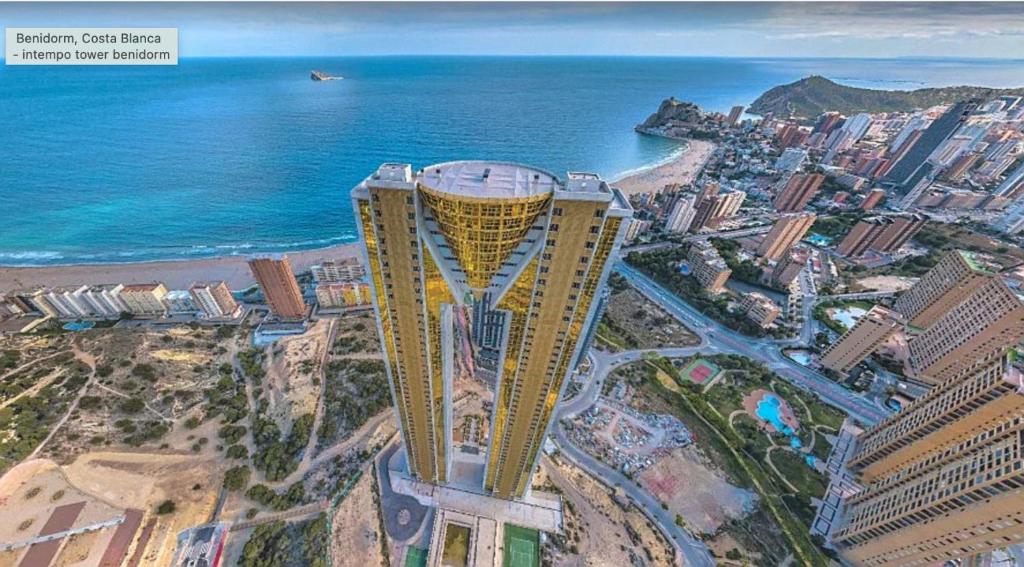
(801, 357)
(79, 325)
(847, 315)
(768, 409)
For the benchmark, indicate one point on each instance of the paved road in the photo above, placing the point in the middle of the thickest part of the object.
(762, 350)
(694, 552)
(723, 234)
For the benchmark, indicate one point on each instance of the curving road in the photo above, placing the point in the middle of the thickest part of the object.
(765, 351)
(715, 339)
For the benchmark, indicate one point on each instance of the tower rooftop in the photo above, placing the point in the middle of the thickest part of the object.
(488, 179)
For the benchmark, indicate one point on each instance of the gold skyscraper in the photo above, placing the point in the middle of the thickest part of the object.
(522, 251)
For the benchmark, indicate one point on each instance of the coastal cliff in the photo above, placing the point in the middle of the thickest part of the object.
(678, 119)
(807, 98)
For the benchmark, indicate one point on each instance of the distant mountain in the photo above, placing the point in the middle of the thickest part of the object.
(807, 98)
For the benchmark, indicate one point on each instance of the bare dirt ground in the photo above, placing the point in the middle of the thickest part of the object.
(600, 530)
(644, 324)
(109, 483)
(143, 481)
(294, 371)
(885, 283)
(693, 489)
(355, 541)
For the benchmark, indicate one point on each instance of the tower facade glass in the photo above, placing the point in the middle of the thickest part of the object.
(501, 245)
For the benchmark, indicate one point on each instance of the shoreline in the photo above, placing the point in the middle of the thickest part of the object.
(175, 273)
(681, 167)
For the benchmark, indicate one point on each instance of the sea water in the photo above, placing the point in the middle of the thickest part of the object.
(228, 156)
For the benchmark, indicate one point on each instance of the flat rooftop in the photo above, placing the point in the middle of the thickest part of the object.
(488, 179)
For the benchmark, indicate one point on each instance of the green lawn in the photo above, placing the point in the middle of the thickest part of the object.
(522, 547)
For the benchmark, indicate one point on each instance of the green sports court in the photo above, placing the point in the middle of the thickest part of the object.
(522, 547)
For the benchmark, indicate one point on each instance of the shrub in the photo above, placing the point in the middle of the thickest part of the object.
(237, 478)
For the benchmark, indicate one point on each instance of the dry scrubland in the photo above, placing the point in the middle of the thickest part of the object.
(602, 529)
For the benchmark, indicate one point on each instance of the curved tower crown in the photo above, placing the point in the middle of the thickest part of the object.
(484, 210)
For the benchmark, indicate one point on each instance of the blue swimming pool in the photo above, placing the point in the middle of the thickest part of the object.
(768, 409)
(79, 325)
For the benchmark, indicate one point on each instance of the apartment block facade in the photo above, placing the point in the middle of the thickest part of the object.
(798, 192)
(955, 278)
(867, 334)
(944, 478)
(988, 321)
(277, 280)
(708, 267)
(214, 299)
(786, 232)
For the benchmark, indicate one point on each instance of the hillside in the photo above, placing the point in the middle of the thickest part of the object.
(807, 98)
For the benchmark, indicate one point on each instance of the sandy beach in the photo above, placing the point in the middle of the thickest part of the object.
(176, 274)
(681, 170)
(179, 274)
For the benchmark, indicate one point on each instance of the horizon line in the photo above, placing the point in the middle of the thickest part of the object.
(585, 56)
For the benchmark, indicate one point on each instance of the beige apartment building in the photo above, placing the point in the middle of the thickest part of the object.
(144, 300)
(708, 267)
(955, 278)
(512, 246)
(987, 322)
(343, 294)
(214, 299)
(281, 290)
(347, 270)
(944, 478)
(788, 268)
(798, 192)
(867, 334)
(786, 232)
(882, 234)
(760, 309)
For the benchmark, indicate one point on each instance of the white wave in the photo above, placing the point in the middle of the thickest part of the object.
(31, 255)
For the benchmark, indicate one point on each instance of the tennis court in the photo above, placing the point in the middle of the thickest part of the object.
(700, 371)
(522, 547)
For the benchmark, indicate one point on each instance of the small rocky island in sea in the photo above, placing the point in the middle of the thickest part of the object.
(321, 76)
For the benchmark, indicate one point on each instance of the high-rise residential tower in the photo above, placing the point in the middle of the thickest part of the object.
(908, 169)
(279, 286)
(955, 278)
(986, 322)
(944, 478)
(681, 214)
(882, 234)
(798, 191)
(526, 254)
(867, 334)
(786, 232)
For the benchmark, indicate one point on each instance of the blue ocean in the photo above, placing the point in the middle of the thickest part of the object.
(235, 156)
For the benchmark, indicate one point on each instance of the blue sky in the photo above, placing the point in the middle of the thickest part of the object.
(916, 29)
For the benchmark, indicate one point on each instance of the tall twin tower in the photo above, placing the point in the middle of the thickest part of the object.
(509, 250)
